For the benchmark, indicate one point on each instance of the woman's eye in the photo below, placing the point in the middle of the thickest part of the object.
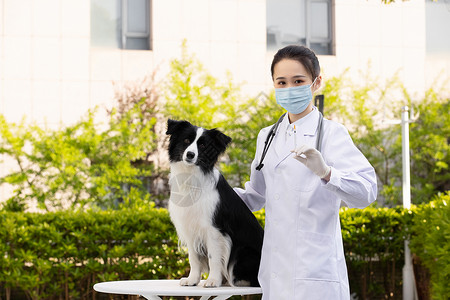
(281, 83)
(298, 81)
(187, 141)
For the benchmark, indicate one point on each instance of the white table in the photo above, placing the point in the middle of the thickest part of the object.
(153, 289)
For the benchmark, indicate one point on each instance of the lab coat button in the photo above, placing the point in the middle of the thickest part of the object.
(277, 197)
(274, 275)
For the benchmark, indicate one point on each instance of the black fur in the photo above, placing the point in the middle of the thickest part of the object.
(233, 218)
(212, 143)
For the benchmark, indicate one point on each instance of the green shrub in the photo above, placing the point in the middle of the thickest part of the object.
(65, 253)
(429, 142)
(374, 249)
(431, 242)
(68, 167)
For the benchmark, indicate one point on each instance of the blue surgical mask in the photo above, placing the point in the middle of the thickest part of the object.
(294, 99)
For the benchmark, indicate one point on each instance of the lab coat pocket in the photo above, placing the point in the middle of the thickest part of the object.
(315, 257)
(316, 289)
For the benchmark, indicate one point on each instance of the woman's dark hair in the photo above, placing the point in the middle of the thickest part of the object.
(301, 54)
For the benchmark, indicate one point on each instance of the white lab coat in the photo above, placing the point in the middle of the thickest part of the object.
(303, 256)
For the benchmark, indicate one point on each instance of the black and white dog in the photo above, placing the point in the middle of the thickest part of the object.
(223, 237)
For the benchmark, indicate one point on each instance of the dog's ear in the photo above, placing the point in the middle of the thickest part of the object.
(221, 139)
(174, 125)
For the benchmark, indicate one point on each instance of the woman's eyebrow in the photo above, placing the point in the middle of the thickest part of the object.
(295, 76)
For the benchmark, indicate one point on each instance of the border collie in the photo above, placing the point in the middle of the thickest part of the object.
(222, 235)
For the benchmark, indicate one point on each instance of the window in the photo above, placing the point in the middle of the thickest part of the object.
(437, 27)
(123, 24)
(300, 22)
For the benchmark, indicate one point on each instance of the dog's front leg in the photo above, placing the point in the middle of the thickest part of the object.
(217, 249)
(196, 269)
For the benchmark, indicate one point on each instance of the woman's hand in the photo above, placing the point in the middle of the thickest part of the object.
(313, 160)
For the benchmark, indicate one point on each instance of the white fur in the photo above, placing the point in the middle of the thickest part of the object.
(194, 224)
(193, 146)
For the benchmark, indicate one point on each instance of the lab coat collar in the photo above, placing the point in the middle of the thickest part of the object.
(305, 126)
(308, 124)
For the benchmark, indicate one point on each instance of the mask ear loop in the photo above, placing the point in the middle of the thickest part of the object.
(314, 82)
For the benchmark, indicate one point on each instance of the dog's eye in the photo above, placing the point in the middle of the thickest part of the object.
(187, 141)
(201, 146)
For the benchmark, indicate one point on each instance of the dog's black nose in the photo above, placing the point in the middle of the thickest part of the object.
(190, 155)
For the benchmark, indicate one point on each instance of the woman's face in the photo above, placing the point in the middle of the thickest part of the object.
(289, 73)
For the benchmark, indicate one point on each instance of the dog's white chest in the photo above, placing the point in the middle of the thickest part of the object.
(193, 200)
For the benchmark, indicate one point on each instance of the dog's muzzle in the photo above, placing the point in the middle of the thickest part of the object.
(190, 156)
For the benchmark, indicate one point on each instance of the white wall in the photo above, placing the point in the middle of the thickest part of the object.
(437, 63)
(50, 73)
(388, 38)
(45, 59)
(227, 35)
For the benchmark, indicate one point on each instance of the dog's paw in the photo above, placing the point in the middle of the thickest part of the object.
(188, 281)
(212, 282)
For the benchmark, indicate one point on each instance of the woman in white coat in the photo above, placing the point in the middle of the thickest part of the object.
(302, 188)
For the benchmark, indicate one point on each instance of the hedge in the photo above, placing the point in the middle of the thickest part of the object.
(374, 250)
(430, 243)
(61, 255)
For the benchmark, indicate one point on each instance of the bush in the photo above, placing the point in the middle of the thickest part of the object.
(431, 242)
(430, 155)
(68, 167)
(374, 250)
(62, 254)
(53, 255)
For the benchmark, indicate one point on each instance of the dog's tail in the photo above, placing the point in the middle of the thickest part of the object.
(229, 274)
(227, 267)
(231, 278)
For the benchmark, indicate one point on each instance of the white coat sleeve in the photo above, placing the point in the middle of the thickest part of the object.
(254, 193)
(353, 178)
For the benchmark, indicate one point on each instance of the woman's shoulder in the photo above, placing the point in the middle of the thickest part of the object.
(266, 129)
(263, 133)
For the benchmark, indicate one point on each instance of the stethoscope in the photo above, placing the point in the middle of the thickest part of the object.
(273, 131)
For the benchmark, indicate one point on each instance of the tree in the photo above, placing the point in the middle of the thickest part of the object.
(429, 142)
(78, 165)
(193, 94)
(363, 108)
